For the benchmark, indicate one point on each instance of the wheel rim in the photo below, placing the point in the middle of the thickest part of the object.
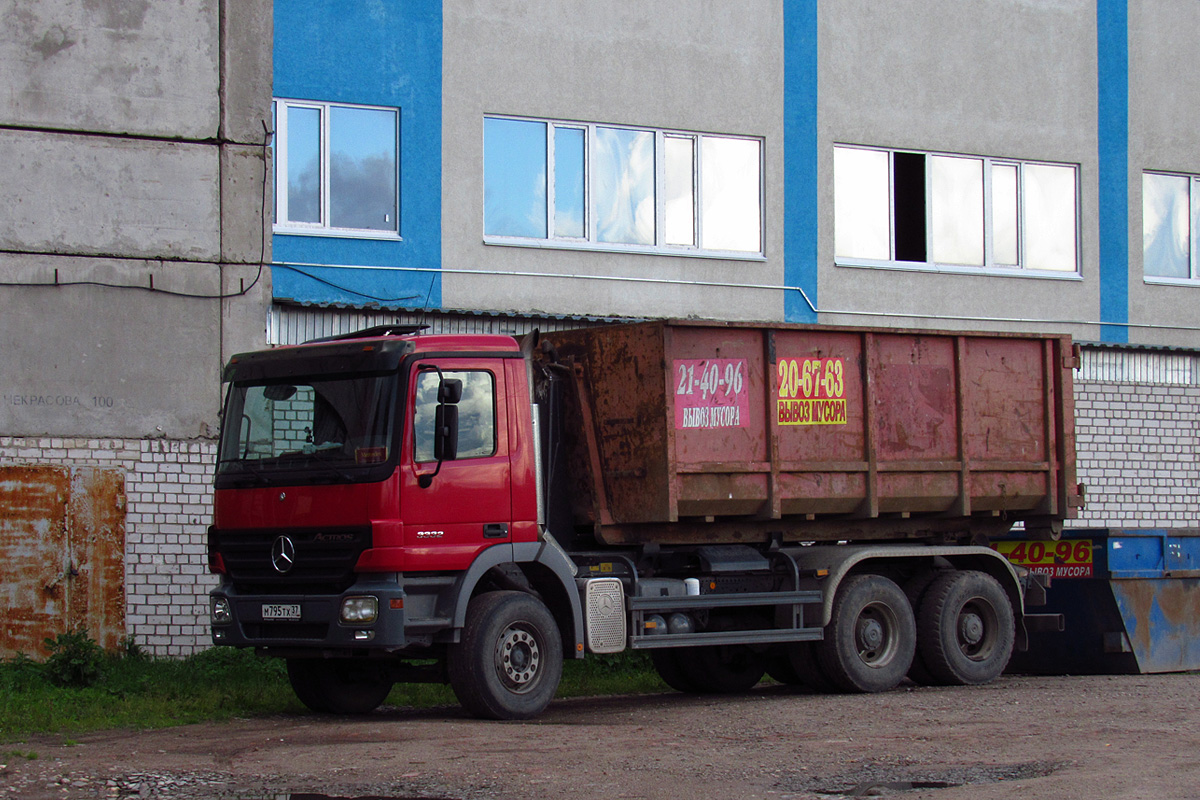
(977, 629)
(875, 634)
(518, 658)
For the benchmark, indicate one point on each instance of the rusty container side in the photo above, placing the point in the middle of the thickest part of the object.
(33, 572)
(617, 440)
(806, 430)
(97, 553)
(62, 555)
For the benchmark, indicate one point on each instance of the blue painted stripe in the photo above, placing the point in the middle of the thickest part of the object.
(384, 54)
(800, 157)
(1112, 46)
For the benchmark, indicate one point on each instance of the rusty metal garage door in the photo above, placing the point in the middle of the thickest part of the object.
(62, 555)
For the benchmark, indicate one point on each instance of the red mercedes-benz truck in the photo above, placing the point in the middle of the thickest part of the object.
(810, 503)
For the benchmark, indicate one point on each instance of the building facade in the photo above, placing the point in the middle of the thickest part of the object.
(134, 157)
(493, 166)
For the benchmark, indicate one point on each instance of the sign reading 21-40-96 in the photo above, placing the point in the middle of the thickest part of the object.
(711, 393)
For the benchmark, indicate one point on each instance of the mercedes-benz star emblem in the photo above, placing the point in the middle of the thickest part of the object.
(283, 555)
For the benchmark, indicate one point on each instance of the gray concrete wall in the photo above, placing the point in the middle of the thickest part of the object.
(133, 168)
(993, 77)
(678, 64)
(1164, 115)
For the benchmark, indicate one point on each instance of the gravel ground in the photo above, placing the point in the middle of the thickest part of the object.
(1047, 737)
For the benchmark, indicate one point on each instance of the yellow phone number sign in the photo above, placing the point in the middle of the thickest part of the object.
(812, 391)
(1066, 558)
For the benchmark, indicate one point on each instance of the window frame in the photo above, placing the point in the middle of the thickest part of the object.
(591, 241)
(279, 221)
(990, 266)
(1193, 278)
(454, 372)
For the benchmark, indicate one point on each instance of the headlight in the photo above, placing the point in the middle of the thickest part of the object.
(221, 614)
(360, 610)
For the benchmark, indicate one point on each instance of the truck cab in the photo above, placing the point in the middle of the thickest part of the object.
(365, 488)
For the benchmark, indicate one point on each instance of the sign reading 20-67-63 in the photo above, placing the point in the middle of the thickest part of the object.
(711, 393)
(812, 391)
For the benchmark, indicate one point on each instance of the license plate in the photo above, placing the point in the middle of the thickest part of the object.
(281, 611)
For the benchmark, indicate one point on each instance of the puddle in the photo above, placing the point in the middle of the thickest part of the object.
(358, 797)
(884, 781)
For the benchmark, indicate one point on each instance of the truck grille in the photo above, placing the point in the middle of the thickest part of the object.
(319, 561)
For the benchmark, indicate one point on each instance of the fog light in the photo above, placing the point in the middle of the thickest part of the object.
(218, 635)
(364, 636)
(359, 610)
(221, 613)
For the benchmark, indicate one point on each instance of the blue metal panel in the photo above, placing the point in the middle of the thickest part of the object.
(1162, 622)
(384, 54)
(1136, 554)
(800, 157)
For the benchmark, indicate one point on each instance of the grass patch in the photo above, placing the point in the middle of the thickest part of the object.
(130, 690)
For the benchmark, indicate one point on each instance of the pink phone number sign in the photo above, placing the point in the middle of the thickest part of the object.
(711, 393)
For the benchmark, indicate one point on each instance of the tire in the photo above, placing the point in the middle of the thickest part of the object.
(966, 629)
(871, 637)
(724, 668)
(915, 590)
(338, 686)
(802, 656)
(509, 660)
(780, 668)
(668, 663)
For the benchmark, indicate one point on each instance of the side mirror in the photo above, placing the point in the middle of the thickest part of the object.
(445, 434)
(449, 391)
(445, 427)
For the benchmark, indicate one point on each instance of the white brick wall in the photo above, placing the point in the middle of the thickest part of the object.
(1137, 438)
(168, 492)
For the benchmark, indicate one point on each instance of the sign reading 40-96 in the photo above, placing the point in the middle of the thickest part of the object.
(812, 391)
(711, 393)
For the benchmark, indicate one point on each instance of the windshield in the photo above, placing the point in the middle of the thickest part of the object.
(319, 425)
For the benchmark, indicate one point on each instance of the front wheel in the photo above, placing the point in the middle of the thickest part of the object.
(508, 662)
(871, 637)
(338, 686)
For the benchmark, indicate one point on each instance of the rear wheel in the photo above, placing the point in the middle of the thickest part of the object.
(871, 636)
(915, 589)
(668, 662)
(508, 662)
(966, 629)
(724, 668)
(338, 686)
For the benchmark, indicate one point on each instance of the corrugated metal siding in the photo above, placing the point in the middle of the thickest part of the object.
(1141, 366)
(296, 324)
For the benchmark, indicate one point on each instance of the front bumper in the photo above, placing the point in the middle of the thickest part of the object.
(319, 624)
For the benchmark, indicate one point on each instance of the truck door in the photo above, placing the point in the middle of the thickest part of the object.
(468, 505)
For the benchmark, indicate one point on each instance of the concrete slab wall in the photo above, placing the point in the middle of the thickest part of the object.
(994, 78)
(1164, 115)
(677, 64)
(111, 66)
(133, 234)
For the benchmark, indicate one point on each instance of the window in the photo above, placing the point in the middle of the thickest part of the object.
(336, 169)
(476, 414)
(571, 184)
(1170, 220)
(935, 210)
